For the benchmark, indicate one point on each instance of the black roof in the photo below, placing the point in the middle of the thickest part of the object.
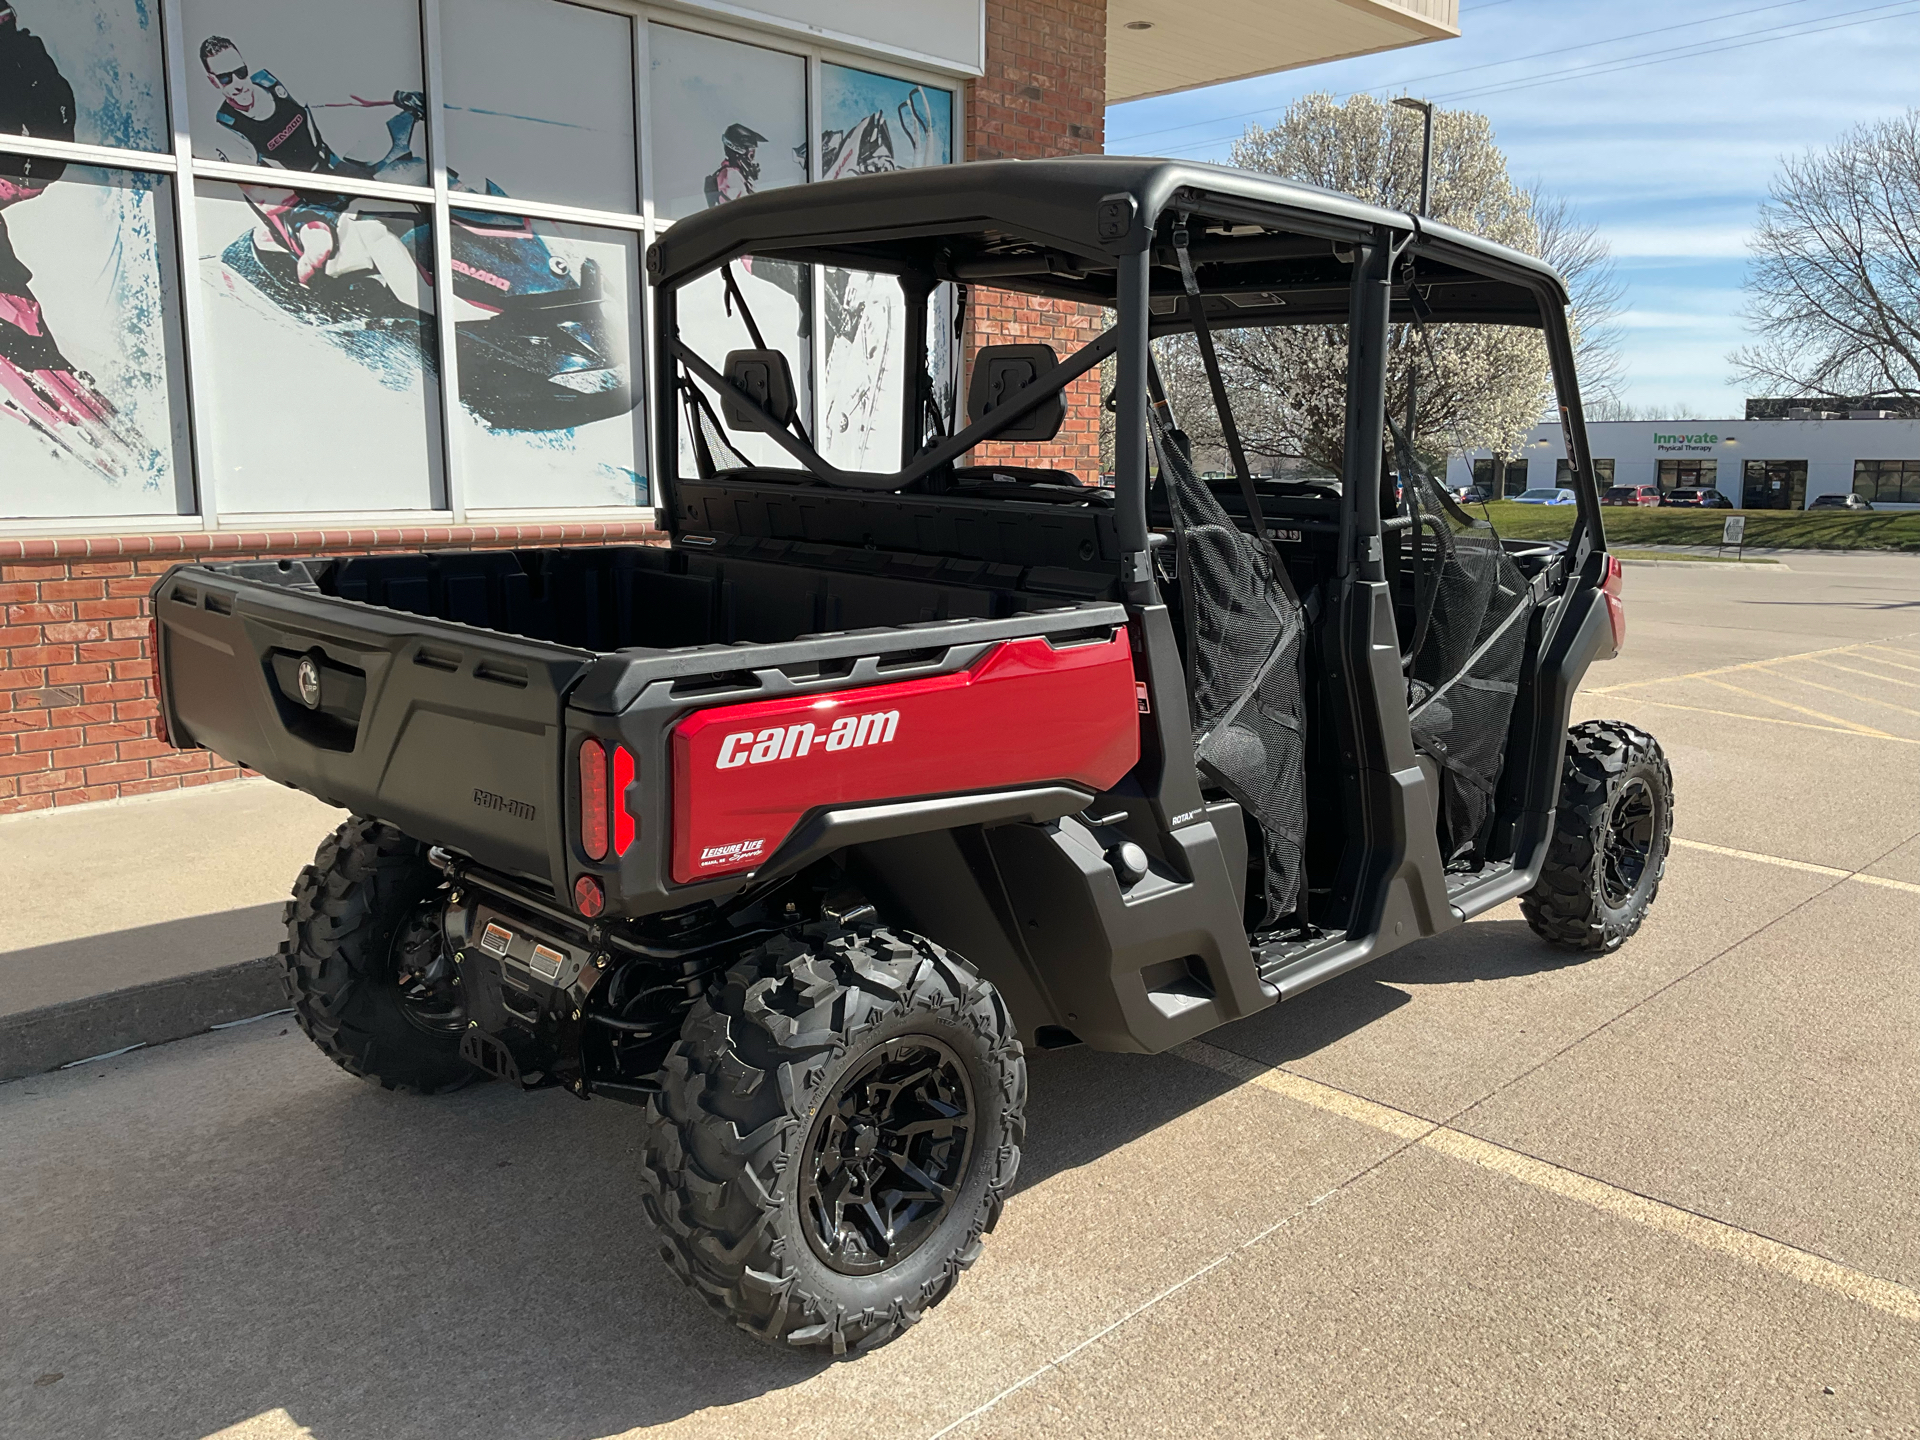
(1045, 227)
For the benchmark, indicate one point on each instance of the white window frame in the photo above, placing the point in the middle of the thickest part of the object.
(183, 169)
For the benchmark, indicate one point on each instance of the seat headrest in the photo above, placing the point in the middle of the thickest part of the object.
(1000, 372)
(766, 376)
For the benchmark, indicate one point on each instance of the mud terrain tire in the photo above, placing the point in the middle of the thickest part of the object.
(354, 912)
(1611, 835)
(779, 1078)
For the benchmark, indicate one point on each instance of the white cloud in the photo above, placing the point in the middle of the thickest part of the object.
(1678, 241)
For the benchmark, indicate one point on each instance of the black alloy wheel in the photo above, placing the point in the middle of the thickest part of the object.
(887, 1155)
(1629, 842)
(424, 974)
(367, 969)
(1611, 832)
(836, 1131)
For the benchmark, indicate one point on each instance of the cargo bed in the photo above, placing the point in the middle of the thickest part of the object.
(438, 691)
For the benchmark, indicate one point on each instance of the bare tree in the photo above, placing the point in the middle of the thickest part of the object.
(1834, 288)
(1585, 261)
(1610, 408)
(1479, 385)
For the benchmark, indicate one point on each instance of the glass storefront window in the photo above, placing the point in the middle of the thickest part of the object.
(1689, 475)
(1773, 485)
(92, 410)
(727, 119)
(1602, 473)
(320, 351)
(550, 385)
(540, 101)
(333, 87)
(313, 321)
(88, 72)
(1887, 482)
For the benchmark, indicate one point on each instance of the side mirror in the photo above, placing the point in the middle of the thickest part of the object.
(766, 377)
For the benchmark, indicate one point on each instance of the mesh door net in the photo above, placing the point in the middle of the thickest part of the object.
(1466, 669)
(1244, 636)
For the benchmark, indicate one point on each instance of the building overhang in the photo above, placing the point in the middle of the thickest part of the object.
(1190, 43)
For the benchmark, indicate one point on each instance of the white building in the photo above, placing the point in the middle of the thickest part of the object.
(1757, 464)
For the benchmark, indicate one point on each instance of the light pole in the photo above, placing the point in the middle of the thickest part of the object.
(1425, 107)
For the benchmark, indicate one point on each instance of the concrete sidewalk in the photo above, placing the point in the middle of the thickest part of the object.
(139, 921)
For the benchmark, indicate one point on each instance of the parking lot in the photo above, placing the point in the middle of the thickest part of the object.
(1479, 1187)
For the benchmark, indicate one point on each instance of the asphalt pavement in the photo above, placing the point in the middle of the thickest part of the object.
(1477, 1187)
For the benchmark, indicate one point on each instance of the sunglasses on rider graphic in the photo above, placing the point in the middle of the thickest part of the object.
(228, 77)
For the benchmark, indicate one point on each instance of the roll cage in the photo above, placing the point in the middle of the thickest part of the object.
(1101, 230)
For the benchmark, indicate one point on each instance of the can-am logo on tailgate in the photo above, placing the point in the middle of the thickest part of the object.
(786, 742)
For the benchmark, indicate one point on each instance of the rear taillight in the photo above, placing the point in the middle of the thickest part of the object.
(593, 799)
(603, 800)
(1616, 607)
(622, 817)
(159, 694)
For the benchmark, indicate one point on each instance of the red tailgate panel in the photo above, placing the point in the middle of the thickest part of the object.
(1023, 714)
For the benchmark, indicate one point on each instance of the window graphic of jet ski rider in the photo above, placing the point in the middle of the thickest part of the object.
(263, 124)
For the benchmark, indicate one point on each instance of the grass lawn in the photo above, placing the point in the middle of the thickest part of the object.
(1785, 529)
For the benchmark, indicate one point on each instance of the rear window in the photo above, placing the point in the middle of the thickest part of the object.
(1539, 494)
(1622, 492)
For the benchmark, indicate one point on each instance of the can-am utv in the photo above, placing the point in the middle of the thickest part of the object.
(799, 829)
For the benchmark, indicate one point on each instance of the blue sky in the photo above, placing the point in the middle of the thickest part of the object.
(1670, 159)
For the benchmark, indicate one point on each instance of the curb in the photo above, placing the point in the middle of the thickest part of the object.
(35, 1041)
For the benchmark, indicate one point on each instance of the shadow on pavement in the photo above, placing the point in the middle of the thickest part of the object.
(1485, 950)
(228, 1227)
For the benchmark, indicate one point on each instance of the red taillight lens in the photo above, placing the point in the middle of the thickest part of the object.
(622, 817)
(159, 695)
(1616, 607)
(593, 800)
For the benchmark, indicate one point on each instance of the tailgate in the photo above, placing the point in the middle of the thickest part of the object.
(451, 733)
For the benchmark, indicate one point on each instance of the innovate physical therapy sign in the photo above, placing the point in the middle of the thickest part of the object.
(1701, 443)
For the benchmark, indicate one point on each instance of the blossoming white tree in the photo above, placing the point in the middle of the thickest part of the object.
(1478, 385)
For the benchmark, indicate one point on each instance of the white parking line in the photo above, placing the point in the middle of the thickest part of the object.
(1865, 879)
(1802, 1265)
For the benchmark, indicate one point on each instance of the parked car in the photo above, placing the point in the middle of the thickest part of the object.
(1707, 499)
(802, 849)
(1839, 502)
(1631, 495)
(1560, 496)
(1472, 495)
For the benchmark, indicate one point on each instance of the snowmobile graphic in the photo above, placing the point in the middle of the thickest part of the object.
(867, 147)
(861, 307)
(536, 348)
(39, 386)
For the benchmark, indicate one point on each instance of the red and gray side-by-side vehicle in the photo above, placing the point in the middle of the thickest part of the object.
(802, 829)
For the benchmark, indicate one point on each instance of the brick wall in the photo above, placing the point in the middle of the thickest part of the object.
(1044, 93)
(77, 707)
(76, 699)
